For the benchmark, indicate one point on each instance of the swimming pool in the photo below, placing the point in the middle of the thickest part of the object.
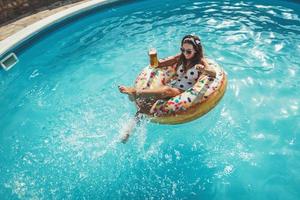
(61, 112)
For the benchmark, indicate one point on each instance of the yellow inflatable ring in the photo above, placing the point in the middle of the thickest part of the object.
(189, 105)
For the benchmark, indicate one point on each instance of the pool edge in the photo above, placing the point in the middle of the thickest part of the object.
(34, 29)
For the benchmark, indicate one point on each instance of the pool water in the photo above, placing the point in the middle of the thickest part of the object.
(61, 112)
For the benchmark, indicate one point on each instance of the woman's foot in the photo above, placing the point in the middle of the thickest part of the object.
(128, 128)
(124, 138)
(128, 90)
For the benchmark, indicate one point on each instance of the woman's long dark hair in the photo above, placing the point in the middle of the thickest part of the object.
(196, 42)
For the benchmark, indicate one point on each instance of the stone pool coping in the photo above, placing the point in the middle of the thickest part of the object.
(15, 25)
(30, 31)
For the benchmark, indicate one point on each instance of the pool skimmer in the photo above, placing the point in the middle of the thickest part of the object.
(9, 61)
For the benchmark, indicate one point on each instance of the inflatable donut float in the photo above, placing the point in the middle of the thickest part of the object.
(187, 106)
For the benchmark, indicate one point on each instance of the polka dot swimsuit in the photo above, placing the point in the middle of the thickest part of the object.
(186, 80)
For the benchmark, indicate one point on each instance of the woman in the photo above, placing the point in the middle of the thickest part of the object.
(190, 64)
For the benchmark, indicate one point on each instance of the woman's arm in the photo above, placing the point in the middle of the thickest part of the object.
(168, 61)
(206, 68)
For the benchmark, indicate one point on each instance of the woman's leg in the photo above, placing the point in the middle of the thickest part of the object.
(130, 126)
(160, 93)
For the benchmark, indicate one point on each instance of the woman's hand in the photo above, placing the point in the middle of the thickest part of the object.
(200, 67)
(208, 70)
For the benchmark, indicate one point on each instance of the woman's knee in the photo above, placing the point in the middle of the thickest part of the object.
(169, 91)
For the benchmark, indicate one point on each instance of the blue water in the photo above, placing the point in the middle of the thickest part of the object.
(61, 113)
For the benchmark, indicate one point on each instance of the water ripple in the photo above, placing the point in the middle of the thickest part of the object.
(63, 115)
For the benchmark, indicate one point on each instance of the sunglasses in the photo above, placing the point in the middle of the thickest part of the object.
(187, 51)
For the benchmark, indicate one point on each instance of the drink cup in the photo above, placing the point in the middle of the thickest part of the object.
(153, 57)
